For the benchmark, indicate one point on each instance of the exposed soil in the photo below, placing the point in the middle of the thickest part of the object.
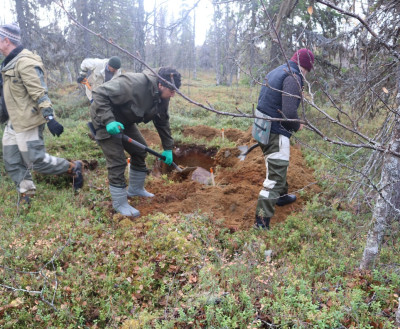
(237, 183)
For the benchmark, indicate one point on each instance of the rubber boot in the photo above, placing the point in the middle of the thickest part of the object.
(136, 184)
(262, 222)
(286, 199)
(120, 202)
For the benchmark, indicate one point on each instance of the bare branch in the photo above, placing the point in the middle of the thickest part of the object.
(364, 23)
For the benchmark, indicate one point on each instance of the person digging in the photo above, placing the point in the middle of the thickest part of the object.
(279, 97)
(118, 106)
(102, 70)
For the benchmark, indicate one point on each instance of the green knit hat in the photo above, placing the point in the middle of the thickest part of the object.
(115, 62)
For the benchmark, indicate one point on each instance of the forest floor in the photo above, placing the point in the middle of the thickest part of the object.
(192, 259)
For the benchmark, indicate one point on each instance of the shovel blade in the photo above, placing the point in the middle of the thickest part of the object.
(183, 170)
(188, 169)
(243, 152)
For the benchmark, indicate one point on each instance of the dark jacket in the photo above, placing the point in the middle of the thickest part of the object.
(272, 101)
(131, 98)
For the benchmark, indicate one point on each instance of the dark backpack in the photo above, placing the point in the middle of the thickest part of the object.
(3, 110)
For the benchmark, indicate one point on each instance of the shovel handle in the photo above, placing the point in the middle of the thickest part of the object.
(251, 148)
(144, 147)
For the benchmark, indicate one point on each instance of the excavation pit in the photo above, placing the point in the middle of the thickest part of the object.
(234, 197)
(195, 161)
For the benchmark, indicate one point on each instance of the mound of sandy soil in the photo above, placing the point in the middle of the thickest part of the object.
(237, 183)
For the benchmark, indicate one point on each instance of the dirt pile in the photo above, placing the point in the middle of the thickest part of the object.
(238, 183)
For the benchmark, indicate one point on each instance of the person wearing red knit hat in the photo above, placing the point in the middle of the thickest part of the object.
(304, 58)
(280, 97)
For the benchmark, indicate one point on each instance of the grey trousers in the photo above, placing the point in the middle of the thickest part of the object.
(114, 151)
(276, 154)
(25, 151)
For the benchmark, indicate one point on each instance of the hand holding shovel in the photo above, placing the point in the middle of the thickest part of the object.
(149, 150)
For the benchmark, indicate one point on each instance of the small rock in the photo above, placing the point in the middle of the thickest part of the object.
(202, 176)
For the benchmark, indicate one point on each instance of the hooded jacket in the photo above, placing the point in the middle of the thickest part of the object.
(131, 98)
(25, 91)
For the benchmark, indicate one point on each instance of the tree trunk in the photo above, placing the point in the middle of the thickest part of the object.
(252, 45)
(85, 23)
(217, 44)
(21, 8)
(387, 205)
(139, 36)
(194, 57)
(226, 67)
(284, 11)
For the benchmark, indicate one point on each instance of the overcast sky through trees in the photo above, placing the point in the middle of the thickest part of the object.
(204, 12)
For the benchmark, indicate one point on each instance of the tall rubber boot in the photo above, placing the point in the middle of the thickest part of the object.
(262, 222)
(136, 184)
(120, 202)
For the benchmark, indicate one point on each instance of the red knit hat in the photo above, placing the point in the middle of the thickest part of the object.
(304, 58)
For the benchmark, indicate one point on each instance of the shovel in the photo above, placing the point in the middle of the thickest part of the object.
(162, 157)
(244, 150)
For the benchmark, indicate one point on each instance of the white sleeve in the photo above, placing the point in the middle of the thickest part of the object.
(90, 64)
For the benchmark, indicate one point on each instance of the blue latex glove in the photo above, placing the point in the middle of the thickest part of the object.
(168, 157)
(114, 128)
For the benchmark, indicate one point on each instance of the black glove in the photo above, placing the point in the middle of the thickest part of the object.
(55, 128)
(80, 79)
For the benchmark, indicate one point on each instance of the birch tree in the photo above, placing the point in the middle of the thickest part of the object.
(388, 201)
(380, 38)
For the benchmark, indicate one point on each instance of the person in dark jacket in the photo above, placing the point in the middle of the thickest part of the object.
(118, 106)
(280, 97)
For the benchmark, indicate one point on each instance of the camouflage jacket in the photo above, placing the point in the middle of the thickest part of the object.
(131, 98)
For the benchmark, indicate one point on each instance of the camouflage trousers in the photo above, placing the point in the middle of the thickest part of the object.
(25, 151)
(276, 154)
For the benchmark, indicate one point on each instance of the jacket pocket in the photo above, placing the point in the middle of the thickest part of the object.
(16, 84)
(102, 133)
(9, 74)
